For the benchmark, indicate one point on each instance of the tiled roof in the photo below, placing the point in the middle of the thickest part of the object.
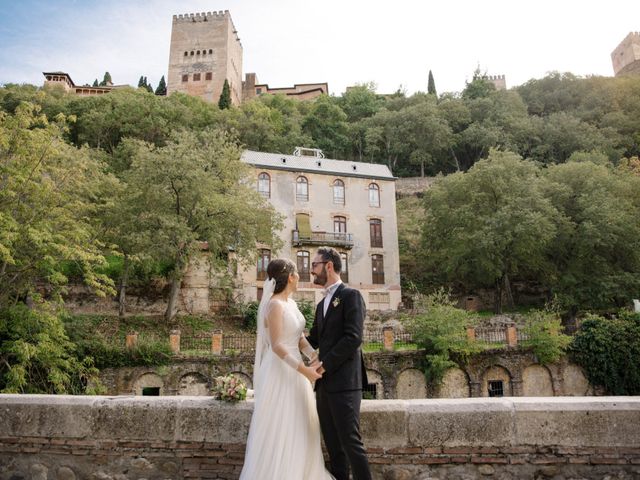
(278, 161)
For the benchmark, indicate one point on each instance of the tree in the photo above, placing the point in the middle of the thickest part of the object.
(479, 86)
(141, 82)
(106, 80)
(193, 190)
(484, 227)
(95, 83)
(225, 96)
(147, 85)
(327, 125)
(431, 87)
(49, 194)
(596, 249)
(162, 87)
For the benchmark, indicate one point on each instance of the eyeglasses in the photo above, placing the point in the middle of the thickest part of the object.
(313, 264)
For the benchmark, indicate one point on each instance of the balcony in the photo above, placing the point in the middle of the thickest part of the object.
(331, 239)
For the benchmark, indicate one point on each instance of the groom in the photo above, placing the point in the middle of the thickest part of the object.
(337, 331)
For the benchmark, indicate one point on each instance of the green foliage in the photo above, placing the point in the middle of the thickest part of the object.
(103, 341)
(431, 86)
(439, 328)
(50, 195)
(308, 310)
(162, 87)
(544, 336)
(106, 80)
(36, 356)
(608, 349)
(250, 316)
(225, 97)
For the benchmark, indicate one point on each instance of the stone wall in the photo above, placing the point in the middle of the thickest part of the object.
(118, 438)
(394, 374)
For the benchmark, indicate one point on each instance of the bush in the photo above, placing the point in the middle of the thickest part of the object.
(36, 356)
(545, 337)
(250, 316)
(439, 327)
(609, 352)
(308, 309)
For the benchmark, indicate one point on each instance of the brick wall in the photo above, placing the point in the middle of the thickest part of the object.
(65, 438)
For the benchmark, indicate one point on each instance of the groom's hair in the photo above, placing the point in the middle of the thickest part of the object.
(331, 255)
(280, 269)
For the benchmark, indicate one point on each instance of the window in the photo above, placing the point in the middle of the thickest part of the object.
(264, 185)
(375, 231)
(338, 192)
(303, 265)
(374, 195)
(370, 392)
(151, 391)
(377, 269)
(258, 91)
(210, 51)
(302, 189)
(186, 54)
(264, 258)
(196, 77)
(207, 76)
(496, 388)
(185, 78)
(344, 274)
(339, 224)
(198, 52)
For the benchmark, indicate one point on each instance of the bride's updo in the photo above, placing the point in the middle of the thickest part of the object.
(280, 269)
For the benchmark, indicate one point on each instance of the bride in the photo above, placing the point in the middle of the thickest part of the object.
(284, 436)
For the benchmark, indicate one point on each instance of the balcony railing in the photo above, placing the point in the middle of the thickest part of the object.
(344, 240)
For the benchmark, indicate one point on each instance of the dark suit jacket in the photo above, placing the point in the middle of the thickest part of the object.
(339, 337)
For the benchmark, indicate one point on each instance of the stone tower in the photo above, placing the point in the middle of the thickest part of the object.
(626, 57)
(205, 50)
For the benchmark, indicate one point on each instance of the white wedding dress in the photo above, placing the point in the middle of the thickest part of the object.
(284, 436)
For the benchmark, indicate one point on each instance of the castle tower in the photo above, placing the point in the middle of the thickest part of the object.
(499, 81)
(205, 50)
(626, 57)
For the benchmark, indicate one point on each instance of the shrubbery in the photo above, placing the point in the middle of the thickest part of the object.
(608, 349)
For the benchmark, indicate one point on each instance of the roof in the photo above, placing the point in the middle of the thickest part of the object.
(345, 168)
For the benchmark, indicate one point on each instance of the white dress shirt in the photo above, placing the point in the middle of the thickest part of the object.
(329, 291)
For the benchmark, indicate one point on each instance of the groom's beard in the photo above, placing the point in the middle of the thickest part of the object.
(321, 278)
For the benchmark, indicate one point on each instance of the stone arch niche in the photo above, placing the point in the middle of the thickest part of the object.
(536, 382)
(375, 380)
(575, 381)
(148, 380)
(193, 384)
(455, 384)
(496, 373)
(411, 384)
(246, 379)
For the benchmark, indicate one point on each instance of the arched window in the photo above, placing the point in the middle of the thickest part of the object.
(338, 192)
(377, 269)
(264, 185)
(374, 195)
(344, 273)
(264, 257)
(302, 189)
(375, 232)
(303, 265)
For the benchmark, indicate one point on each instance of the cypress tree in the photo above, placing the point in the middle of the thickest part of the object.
(225, 96)
(95, 83)
(141, 82)
(431, 88)
(162, 87)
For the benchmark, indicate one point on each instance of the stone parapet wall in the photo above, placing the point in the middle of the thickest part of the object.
(65, 437)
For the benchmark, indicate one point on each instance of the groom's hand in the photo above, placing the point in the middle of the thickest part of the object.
(317, 364)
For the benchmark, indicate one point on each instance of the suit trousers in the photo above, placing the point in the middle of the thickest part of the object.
(339, 414)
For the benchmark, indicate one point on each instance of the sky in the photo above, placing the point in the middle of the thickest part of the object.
(341, 42)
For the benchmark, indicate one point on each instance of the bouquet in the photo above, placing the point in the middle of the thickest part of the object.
(229, 388)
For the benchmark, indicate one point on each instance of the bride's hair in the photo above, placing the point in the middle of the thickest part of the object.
(280, 269)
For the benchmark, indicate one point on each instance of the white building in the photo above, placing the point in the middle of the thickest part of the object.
(350, 206)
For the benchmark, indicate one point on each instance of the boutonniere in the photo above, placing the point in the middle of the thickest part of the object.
(336, 302)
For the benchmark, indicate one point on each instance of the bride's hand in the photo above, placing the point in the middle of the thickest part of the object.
(310, 372)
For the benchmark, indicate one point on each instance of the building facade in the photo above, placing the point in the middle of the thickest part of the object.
(205, 51)
(300, 91)
(626, 57)
(350, 206)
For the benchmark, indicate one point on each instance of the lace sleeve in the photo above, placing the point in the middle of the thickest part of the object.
(275, 323)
